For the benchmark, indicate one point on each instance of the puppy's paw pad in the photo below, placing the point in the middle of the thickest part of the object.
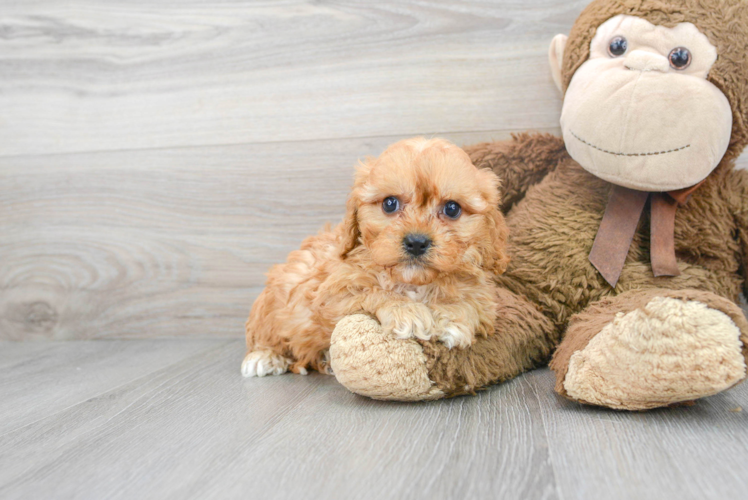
(261, 363)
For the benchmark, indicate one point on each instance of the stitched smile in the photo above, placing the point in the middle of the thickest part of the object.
(629, 154)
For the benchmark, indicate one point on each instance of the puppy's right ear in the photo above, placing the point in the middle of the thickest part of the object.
(351, 233)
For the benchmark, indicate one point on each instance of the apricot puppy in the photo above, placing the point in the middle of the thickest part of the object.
(418, 248)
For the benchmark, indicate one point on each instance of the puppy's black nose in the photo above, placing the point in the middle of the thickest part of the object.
(416, 244)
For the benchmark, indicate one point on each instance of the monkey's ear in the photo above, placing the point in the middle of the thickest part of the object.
(556, 59)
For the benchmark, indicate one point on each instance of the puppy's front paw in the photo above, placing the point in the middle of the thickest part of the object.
(261, 363)
(408, 320)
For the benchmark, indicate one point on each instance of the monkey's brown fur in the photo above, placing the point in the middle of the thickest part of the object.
(554, 208)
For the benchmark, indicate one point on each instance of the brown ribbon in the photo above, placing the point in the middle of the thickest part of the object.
(619, 224)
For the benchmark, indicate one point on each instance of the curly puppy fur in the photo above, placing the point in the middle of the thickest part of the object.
(362, 265)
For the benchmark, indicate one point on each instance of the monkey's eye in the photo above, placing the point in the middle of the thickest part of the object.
(390, 205)
(618, 46)
(452, 209)
(680, 58)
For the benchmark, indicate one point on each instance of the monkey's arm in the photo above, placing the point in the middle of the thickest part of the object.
(519, 162)
(737, 195)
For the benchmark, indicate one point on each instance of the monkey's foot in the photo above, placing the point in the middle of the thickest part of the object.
(667, 350)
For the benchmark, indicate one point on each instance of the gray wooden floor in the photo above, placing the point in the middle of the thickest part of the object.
(173, 419)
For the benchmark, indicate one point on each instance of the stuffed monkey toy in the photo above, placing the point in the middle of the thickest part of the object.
(628, 237)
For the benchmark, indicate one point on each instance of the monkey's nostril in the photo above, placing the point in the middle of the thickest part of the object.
(416, 244)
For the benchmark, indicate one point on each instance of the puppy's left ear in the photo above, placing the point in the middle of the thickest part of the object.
(495, 257)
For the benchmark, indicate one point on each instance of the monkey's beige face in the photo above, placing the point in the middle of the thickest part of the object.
(424, 209)
(640, 113)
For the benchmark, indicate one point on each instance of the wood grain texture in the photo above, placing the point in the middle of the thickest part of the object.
(87, 75)
(687, 452)
(194, 428)
(158, 157)
(41, 378)
(198, 430)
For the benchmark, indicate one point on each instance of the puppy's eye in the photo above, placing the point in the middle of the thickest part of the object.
(680, 58)
(617, 46)
(452, 209)
(390, 205)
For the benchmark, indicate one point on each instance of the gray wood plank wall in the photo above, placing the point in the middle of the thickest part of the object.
(156, 157)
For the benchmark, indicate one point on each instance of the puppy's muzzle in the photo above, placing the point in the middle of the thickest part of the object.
(416, 244)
